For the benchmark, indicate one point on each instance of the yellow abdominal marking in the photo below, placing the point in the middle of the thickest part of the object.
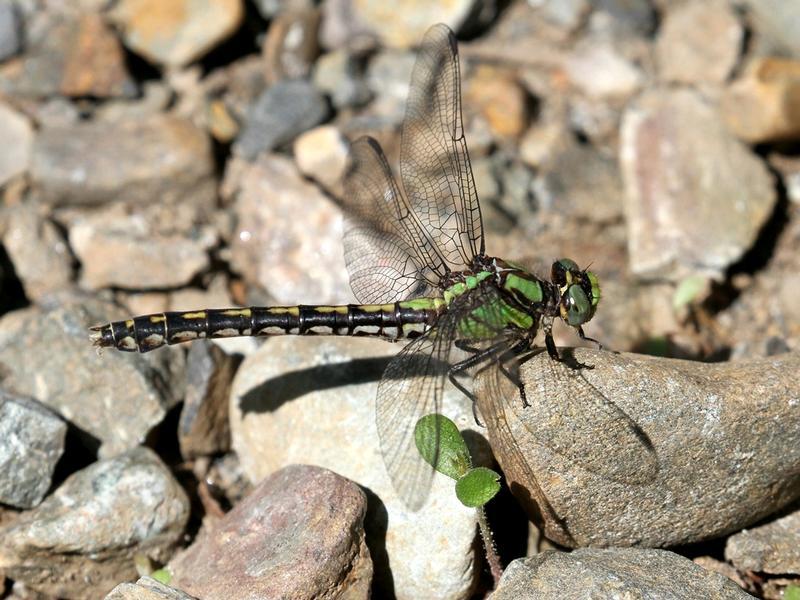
(237, 312)
(194, 315)
(158, 319)
(370, 308)
(342, 310)
(283, 310)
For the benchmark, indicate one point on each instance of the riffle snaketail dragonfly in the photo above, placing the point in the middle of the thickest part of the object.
(416, 259)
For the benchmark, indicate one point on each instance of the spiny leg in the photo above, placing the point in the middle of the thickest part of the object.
(477, 357)
(570, 361)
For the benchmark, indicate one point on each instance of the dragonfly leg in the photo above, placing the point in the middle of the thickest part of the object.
(478, 356)
(568, 360)
(585, 337)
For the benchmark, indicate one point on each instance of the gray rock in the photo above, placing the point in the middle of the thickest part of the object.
(117, 398)
(126, 252)
(203, 428)
(612, 573)
(337, 74)
(645, 451)
(159, 159)
(321, 154)
(31, 443)
(72, 54)
(598, 70)
(94, 525)
(15, 155)
(298, 534)
(629, 16)
(695, 197)
(699, 42)
(388, 76)
(312, 400)
(40, 255)
(10, 30)
(580, 182)
(280, 114)
(777, 23)
(771, 548)
(146, 589)
(280, 214)
(176, 37)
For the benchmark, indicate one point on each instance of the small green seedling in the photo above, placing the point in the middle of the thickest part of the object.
(792, 592)
(443, 447)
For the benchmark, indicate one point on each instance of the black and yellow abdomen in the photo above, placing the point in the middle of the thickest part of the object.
(390, 321)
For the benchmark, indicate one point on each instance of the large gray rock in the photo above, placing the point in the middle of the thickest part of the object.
(116, 397)
(146, 589)
(298, 534)
(31, 442)
(94, 525)
(312, 400)
(695, 197)
(646, 451)
(157, 159)
(613, 573)
(15, 154)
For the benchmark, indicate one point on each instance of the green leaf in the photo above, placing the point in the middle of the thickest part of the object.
(792, 592)
(477, 487)
(689, 290)
(440, 443)
(162, 576)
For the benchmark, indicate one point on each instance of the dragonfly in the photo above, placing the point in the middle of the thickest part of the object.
(418, 267)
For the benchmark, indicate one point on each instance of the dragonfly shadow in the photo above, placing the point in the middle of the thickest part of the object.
(274, 392)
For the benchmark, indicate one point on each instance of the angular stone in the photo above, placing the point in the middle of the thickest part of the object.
(321, 153)
(695, 197)
(204, 428)
(15, 155)
(764, 104)
(280, 114)
(771, 548)
(625, 453)
(298, 534)
(279, 214)
(599, 71)
(499, 98)
(41, 258)
(146, 589)
(69, 54)
(178, 32)
(613, 573)
(777, 23)
(699, 42)
(405, 28)
(301, 400)
(94, 525)
(31, 443)
(127, 253)
(10, 30)
(291, 46)
(339, 75)
(159, 159)
(117, 398)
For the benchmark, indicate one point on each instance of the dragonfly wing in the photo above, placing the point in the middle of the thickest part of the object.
(412, 387)
(388, 256)
(434, 162)
(576, 420)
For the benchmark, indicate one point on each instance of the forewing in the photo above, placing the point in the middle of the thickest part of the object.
(572, 417)
(387, 255)
(411, 388)
(434, 163)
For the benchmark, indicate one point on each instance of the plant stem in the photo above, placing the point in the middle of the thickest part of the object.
(492, 558)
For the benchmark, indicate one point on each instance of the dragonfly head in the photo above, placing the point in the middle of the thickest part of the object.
(579, 291)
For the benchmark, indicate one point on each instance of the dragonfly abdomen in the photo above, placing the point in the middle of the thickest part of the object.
(390, 321)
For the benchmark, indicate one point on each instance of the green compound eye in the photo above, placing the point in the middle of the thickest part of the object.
(579, 309)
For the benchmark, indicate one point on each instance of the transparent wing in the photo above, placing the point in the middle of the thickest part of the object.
(388, 256)
(414, 381)
(411, 388)
(434, 163)
(576, 420)
(571, 417)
